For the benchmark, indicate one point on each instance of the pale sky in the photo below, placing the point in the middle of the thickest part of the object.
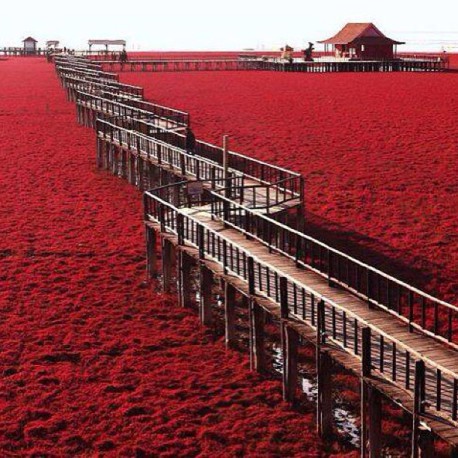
(234, 25)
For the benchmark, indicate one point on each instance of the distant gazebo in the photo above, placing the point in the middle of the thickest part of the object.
(362, 40)
(30, 45)
(106, 43)
(52, 44)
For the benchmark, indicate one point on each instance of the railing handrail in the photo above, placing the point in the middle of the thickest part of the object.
(117, 84)
(234, 172)
(86, 71)
(103, 88)
(133, 60)
(346, 256)
(125, 105)
(91, 78)
(165, 107)
(170, 147)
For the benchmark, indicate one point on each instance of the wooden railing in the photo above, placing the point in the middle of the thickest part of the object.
(180, 118)
(262, 195)
(112, 108)
(335, 325)
(285, 181)
(93, 85)
(77, 63)
(87, 72)
(164, 154)
(107, 82)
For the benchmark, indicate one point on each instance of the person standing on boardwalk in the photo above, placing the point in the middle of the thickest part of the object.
(190, 141)
(123, 57)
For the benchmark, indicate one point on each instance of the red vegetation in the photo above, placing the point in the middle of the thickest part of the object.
(92, 360)
(378, 151)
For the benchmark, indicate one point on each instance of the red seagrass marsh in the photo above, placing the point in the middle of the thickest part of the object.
(96, 361)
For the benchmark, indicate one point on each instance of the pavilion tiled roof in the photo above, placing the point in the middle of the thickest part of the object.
(355, 31)
(30, 39)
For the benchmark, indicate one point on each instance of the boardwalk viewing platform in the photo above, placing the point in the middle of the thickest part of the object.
(318, 65)
(237, 222)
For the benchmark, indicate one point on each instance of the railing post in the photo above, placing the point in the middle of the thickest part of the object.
(257, 320)
(151, 256)
(159, 153)
(226, 165)
(268, 199)
(455, 400)
(411, 310)
(418, 406)
(167, 264)
(366, 352)
(197, 170)
(251, 278)
(201, 240)
(182, 164)
(284, 297)
(206, 286)
(225, 256)
(162, 217)
(229, 312)
(180, 228)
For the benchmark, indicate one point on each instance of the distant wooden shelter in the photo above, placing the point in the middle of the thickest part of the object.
(106, 43)
(30, 45)
(362, 40)
(52, 44)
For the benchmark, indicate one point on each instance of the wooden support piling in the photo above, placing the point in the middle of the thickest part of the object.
(107, 156)
(99, 154)
(425, 443)
(167, 264)
(185, 263)
(418, 407)
(375, 423)
(151, 254)
(128, 157)
(290, 343)
(141, 182)
(206, 295)
(132, 169)
(123, 164)
(115, 161)
(229, 314)
(324, 395)
(257, 323)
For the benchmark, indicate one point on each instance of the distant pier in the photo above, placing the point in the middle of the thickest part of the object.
(320, 65)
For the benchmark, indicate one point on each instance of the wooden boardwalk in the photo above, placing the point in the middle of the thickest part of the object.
(273, 64)
(398, 361)
(228, 216)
